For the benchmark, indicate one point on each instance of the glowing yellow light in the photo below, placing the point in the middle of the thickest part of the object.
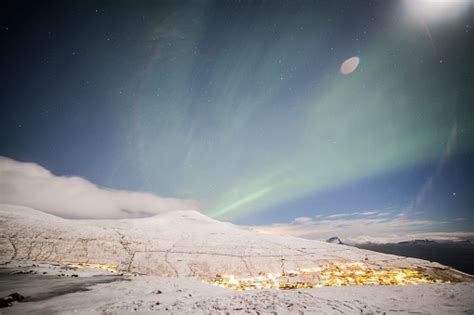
(108, 267)
(333, 274)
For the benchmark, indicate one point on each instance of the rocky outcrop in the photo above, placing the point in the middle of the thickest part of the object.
(8, 300)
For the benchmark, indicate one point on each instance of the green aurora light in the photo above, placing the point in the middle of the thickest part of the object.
(274, 130)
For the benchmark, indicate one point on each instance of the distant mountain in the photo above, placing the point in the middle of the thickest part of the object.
(418, 242)
(467, 242)
(432, 242)
(458, 254)
(411, 242)
(334, 240)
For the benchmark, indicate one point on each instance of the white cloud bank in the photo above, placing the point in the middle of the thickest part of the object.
(30, 185)
(363, 227)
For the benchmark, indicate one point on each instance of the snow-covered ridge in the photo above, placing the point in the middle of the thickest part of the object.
(179, 243)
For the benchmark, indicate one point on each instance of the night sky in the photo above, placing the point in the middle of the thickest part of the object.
(241, 105)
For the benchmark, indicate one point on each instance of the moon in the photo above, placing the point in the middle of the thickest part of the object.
(436, 10)
(349, 65)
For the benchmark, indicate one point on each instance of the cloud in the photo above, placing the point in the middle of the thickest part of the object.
(356, 214)
(302, 220)
(371, 212)
(31, 185)
(361, 227)
(340, 215)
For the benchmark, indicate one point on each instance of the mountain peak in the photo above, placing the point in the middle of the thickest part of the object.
(334, 240)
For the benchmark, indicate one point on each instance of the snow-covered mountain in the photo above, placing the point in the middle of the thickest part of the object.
(179, 243)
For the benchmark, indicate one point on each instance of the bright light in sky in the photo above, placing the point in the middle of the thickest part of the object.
(350, 65)
(436, 10)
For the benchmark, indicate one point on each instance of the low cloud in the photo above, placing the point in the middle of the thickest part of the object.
(31, 185)
(302, 220)
(362, 227)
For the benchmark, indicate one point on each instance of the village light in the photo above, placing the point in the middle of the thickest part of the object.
(333, 274)
(77, 265)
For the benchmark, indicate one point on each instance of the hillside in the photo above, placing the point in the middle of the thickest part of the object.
(179, 243)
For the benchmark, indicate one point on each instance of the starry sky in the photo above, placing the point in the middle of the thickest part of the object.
(241, 105)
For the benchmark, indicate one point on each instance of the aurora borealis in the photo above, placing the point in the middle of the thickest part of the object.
(242, 105)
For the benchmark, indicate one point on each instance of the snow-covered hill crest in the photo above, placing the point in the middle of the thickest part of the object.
(178, 243)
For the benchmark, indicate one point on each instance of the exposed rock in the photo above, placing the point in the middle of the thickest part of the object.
(8, 300)
(17, 296)
(5, 302)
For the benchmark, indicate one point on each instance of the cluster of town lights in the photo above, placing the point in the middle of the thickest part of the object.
(333, 274)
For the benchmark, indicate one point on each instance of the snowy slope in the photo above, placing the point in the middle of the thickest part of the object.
(158, 295)
(180, 243)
